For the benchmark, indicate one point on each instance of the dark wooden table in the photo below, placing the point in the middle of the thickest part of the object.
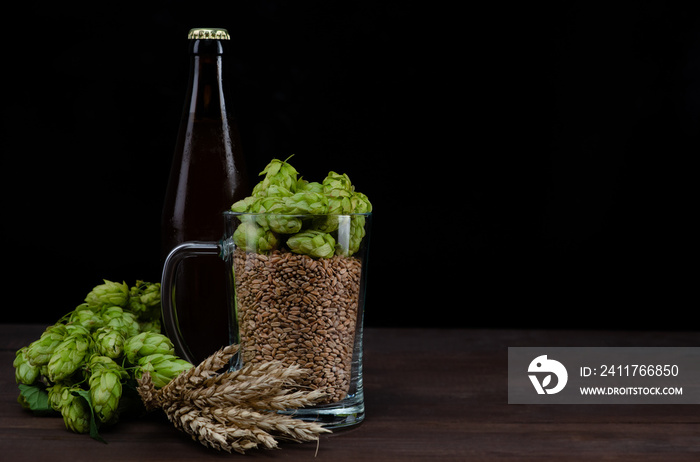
(431, 395)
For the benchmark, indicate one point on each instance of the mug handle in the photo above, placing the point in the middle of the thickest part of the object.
(167, 287)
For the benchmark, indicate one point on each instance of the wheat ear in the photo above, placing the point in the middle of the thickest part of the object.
(235, 410)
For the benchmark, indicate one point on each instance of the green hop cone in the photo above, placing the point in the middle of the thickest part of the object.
(86, 318)
(334, 181)
(350, 237)
(127, 324)
(106, 385)
(340, 202)
(269, 203)
(40, 350)
(76, 411)
(357, 233)
(342, 197)
(25, 372)
(307, 214)
(277, 173)
(108, 294)
(105, 392)
(57, 398)
(110, 312)
(326, 223)
(150, 326)
(360, 203)
(144, 300)
(162, 368)
(98, 361)
(245, 205)
(309, 186)
(313, 243)
(145, 344)
(68, 356)
(306, 202)
(275, 191)
(284, 224)
(109, 342)
(251, 237)
(275, 208)
(85, 306)
(72, 329)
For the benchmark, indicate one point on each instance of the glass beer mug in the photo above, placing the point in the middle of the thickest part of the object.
(299, 301)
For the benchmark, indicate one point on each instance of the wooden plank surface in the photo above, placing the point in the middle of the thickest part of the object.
(431, 395)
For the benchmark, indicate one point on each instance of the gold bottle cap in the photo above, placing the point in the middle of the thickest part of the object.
(210, 33)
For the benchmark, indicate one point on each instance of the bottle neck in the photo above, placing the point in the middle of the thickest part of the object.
(206, 99)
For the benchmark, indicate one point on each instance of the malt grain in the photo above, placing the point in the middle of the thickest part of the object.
(300, 311)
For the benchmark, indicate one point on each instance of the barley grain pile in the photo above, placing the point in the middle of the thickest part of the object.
(300, 311)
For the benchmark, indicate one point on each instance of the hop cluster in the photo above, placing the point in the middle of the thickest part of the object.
(83, 363)
(301, 216)
(235, 410)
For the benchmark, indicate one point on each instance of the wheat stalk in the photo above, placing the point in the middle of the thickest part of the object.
(199, 374)
(259, 386)
(235, 410)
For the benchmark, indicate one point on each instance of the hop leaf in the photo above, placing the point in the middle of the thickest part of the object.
(35, 398)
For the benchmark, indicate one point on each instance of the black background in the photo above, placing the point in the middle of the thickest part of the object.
(528, 166)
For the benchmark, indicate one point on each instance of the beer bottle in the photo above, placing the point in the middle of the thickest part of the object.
(208, 174)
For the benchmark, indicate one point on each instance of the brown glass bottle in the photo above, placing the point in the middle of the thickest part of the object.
(208, 174)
